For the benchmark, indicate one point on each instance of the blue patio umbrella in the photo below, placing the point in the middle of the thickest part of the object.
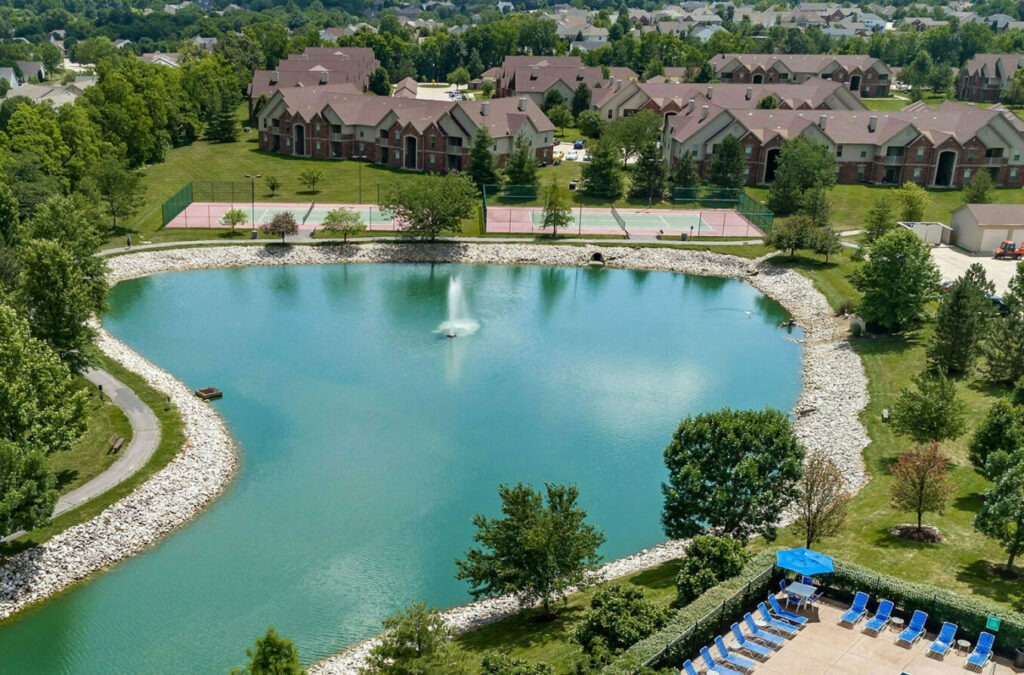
(804, 561)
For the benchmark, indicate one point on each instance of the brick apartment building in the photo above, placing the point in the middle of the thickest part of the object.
(863, 75)
(984, 77)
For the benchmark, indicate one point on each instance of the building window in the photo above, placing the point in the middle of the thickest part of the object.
(398, 136)
(494, 148)
(839, 151)
(746, 173)
(264, 122)
(920, 154)
(970, 154)
(694, 150)
(318, 146)
(747, 150)
(433, 141)
(967, 174)
(863, 154)
(609, 114)
(917, 175)
(360, 134)
(287, 142)
(362, 148)
(883, 79)
(860, 171)
(431, 160)
(1013, 174)
(317, 127)
(1016, 156)
(384, 135)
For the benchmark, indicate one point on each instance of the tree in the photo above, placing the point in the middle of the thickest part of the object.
(560, 116)
(426, 206)
(1001, 516)
(459, 77)
(27, 488)
(345, 222)
(282, 224)
(590, 123)
(601, 175)
(521, 164)
(930, 412)
(897, 281)
(311, 178)
(921, 482)
(552, 98)
(825, 241)
(619, 617)
(415, 642)
(978, 189)
(223, 126)
(912, 200)
(726, 169)
(537, 551)
(708, 561)
(1004, 348)
(685, 174)
(732, 471)
(791, 234)
(234, 217)
(273, 655)
(804, 165)
(963, 320)
(649, 174)
(880, 219)
(817, 206)
(822, 499)
(998, 438)
(633, 132)
(486, 90)
(580, 99)
(500, 664)
(482, 167)
(379, 83)
(769, 102)
(557, 212)
(273, 184)
(117, 187)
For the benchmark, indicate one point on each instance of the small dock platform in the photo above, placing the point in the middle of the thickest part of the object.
(209, 393)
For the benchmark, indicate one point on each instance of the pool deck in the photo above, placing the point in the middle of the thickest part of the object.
(823, 646)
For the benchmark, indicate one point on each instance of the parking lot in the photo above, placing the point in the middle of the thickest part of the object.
(953, 262)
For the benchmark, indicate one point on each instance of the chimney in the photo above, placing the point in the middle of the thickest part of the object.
(581, 73)
(711, 91)
(275, 77)
(749, 94)
(535, 73)
(618, 84)
(485, 108)
(323, 77)
(522, 103)
(689, 106)
(703, 113)
(822, 120)
(872, 123)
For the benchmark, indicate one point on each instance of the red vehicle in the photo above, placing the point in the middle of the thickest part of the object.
(1009, 250)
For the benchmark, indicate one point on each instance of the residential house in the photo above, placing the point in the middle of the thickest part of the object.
(7, 73)
(535, 76)
(984, 77)
(170, 60)
(420, 135)
(864, 75)
(406, 88)
(316, 67)
(31, 71)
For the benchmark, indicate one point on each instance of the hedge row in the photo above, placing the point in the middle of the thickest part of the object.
(718, 599)
(970, 614)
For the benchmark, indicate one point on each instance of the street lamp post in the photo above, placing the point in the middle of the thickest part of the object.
(252, 181)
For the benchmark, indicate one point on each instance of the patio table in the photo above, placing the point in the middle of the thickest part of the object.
(963, 646)
(896, 624)
(800, 590)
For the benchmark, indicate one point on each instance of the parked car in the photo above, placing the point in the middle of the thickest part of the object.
(572, 155)
(578, 145)
(586, 156)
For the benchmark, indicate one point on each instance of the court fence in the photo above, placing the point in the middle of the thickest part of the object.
(176, 204)
(707, 197)
(508, 195)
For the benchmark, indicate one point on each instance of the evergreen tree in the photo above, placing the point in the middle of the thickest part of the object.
(482, 167)
(825, 241)
(1002, 514)
(557, 209)
(551, 99)
(727, 165)
(898, 281)
(816, 205)
(804, 165)
(223, 127)
(274, 655)
(880, 218)
(601, 175)
(649, 174)
(379, 83)
(521, 165)
(978, 190)
(1004, 348)
(580, 99)
(998, 438)
(962, 321)
(686, 174)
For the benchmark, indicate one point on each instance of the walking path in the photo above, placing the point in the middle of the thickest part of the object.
(145, 439)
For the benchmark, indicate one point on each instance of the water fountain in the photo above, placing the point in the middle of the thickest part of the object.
(459, 322)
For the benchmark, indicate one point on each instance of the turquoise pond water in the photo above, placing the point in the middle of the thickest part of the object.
(368, 440)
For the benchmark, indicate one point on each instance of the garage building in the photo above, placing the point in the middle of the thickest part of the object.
(980, 228)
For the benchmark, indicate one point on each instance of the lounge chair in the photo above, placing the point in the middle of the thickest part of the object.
(732, 659)
(783, 614)
(762, 635)
(749, 646)
(688, 668)
(787, 629)
(857, 609)
(881, 618)
(944, 640)
(914, 630)
(714, 665)
(982, 653)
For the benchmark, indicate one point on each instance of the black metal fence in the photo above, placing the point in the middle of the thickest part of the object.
(725, 198)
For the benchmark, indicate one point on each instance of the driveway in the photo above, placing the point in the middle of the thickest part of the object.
(953, 262)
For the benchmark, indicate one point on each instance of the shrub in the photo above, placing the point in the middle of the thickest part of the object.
(619, 617)
(708, 561)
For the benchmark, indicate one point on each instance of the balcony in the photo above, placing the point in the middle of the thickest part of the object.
(894, 160)
(336, 136)
(995, 161)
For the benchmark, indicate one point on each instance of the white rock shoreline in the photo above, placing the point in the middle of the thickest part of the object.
(834, 393)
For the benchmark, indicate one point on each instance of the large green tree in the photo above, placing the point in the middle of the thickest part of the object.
(726, 168)
(913, 201)
(804, 165)
(898, 281)
(580, 99)
(963, 320)
(921, 482)
(273, 655)
(648, 180)
(521, 164)
(482, 166)
(931, 411)
(792, 234)
(998, 438)
(414, 642)
(426, 206)
(1004, 348)
(708, 561)
(557, 213)
(619, 617)
(1002, 513)
(732, 471)
(535, 549)
(880, 219)
(632, 132)
(685, 173)
(978, 190)
(601, 175)
(119, 189)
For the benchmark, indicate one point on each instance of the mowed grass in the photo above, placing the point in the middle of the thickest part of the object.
(91, 455)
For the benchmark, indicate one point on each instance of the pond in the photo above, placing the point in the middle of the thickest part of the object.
(368, 439)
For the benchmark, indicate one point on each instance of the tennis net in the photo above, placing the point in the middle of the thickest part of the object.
(312, 206)
(618, 219)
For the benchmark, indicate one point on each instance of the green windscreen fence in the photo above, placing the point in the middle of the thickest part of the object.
(178, 203)
(508, 195)
(757, 213)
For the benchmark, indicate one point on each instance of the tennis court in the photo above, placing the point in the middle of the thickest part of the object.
(628, 222)
(309, 215)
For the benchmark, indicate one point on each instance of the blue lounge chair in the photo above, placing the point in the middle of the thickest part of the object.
(732, 659)
(762, 635)
(944, 640)
(688, 668)
(787, 629)
(749, 646)
(881, 618)
(914, 630)
(856, 611)
(714, 665)
(783, 614)
(982, 653)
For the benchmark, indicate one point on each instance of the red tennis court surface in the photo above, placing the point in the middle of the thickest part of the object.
(308, 215)
(635, 222)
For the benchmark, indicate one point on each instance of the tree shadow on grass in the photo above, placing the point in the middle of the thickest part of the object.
(969, 503)
(521, 632)
(885, 343)
(64, 478)
(980, 576)
(662, 576)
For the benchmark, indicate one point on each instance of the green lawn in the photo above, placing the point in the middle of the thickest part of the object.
(91, 455)
(885, 104)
